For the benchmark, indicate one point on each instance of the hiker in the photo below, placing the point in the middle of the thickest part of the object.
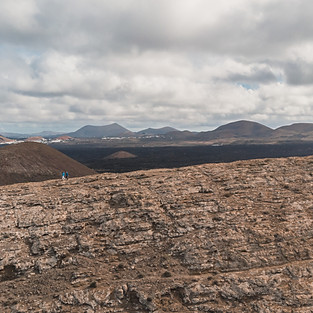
(66, 175)
(63, 175)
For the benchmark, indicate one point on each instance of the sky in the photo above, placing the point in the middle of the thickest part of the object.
(189, 64)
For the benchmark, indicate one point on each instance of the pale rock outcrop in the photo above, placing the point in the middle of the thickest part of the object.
(234, 237)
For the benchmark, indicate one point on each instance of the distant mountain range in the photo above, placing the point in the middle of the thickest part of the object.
(90, 131)
(245, 131)
(229, 133)
(45, 134)
(116, 130)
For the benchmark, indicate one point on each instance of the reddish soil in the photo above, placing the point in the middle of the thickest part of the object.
(64, 138)
(38, 138)
(4, 139)
(31, 161)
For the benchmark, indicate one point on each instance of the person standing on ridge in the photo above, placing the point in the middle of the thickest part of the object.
(66, 175)
(63, 175)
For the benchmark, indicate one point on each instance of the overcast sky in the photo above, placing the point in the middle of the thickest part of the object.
(190, 64)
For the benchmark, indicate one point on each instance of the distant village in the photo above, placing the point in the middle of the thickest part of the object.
(8, 141)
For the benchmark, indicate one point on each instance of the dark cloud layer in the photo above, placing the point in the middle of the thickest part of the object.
(190, 64)
(256, 76)
(299, 72)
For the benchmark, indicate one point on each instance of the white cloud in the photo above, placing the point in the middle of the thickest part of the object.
(18, 16)
(190, 64)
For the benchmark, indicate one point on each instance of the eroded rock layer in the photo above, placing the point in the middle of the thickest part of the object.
(232, 237)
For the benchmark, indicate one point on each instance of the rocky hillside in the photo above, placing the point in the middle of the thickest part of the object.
(4, 140)
(234, 237)
(31, 161)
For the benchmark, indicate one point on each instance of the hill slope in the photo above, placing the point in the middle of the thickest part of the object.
(212, 238)
(31, 161)
(244, 129)
(4, 140)
(239, 129)
(156, 131)
(121, 155)
(112, 130)
(298, 128)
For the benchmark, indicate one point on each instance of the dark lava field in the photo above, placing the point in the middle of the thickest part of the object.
(96, 157)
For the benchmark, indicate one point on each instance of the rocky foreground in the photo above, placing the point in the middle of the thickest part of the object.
(232, 237)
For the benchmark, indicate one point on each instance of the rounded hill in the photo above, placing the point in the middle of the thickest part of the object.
(4, 140)
(30, 161)
(244, 129)
(298, 127)
(121, 155)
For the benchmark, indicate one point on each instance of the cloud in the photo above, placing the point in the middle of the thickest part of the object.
(299, 73)
(190, 64)
(255, 75)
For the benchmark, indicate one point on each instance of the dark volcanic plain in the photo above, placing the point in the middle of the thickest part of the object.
(98, 155)
(234, 237)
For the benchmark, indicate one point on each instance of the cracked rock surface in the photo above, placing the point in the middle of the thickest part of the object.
(234, 237)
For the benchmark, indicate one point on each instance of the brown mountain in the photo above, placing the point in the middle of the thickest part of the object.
(156, 131)
(297, 128)
(64, 138)
(294, 132)
(112, 130)
(181, 135)
(35, 139)
(239, 129)
(234, 237)
(244, 129)
(31, 161)
(121, 155)
(5, 140)
(248, 131)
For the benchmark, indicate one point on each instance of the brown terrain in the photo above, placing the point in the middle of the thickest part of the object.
(35, 138)
(121, 155)
(31, 161)
(5, 140)
(64, 138)
(234, 237)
